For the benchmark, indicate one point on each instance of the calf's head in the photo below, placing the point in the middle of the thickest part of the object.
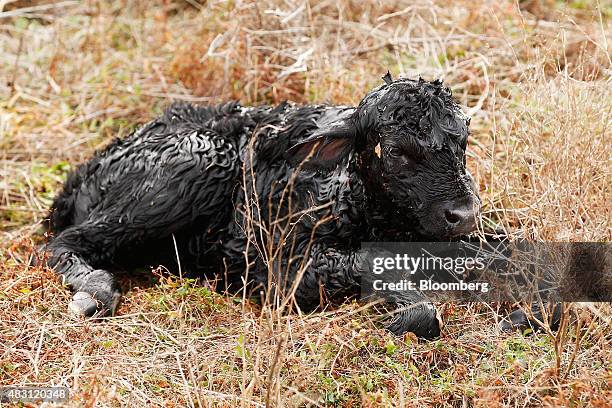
(408, 140)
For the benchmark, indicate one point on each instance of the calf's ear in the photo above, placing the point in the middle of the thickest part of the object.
(325, 148)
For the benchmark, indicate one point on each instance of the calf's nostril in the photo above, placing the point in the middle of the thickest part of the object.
(451, 217)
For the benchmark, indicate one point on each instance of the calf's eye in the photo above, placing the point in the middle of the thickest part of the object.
(403, 158)
(407, 161)
(424, 126)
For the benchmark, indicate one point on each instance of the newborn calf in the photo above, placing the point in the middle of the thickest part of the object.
(189, 182)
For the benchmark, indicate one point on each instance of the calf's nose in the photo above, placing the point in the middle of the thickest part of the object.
(461, 217)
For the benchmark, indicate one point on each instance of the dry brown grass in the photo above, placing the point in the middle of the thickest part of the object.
(534, 75)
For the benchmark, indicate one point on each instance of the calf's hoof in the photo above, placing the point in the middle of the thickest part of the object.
(96, 294)
(519, 319)
(422, 319)
(85, 304)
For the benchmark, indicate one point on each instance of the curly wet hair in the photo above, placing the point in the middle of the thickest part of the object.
(391, 168)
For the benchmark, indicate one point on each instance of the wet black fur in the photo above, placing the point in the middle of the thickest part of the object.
(180, 178)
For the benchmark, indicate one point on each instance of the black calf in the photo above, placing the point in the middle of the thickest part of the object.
(322, 179)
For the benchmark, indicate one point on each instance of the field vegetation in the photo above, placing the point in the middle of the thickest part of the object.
(535, 76)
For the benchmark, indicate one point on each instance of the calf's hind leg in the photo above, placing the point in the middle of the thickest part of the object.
(72, 255)
(174, 177)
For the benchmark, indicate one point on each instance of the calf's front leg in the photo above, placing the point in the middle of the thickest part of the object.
(340, 273)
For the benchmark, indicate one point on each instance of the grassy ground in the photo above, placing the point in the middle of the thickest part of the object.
(535, 76)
